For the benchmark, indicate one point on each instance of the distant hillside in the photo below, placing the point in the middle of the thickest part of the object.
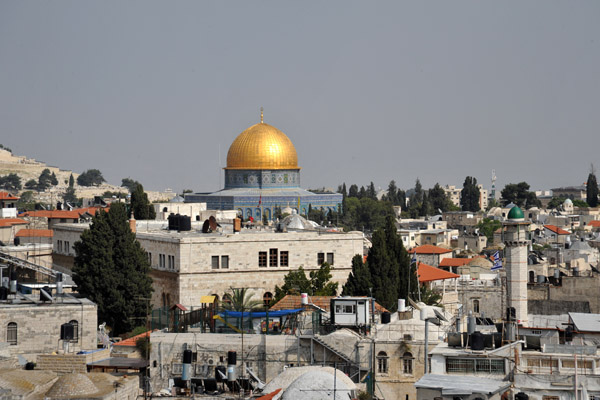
(28, 168)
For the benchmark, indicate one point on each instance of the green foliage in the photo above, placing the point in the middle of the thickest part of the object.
(10, 182)
(71, 181)
(439, 199)
(91, 177)
(130, 184)
(387, 274)
(46, 179)
(138, 330)
(488, 226)
(31, 184)
(365, 214)
(430, 297)
(5, 148)
(519, 194)
(142, 209)
(469, 196)
(26, 201)
(143, 345)
(580, 203)
(241, 300)
(112, 270)
(317, 284)
(592, 189)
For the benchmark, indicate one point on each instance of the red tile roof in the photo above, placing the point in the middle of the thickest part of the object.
(292, 301)
(12, 221)
(7, 196)
(427, 273)
(455, 262)
(594, 224)
(557, 230)
(59, 214)
(429, 249)
(131, 341)
(35, 233)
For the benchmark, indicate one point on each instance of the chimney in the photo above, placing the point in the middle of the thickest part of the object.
(132, 223)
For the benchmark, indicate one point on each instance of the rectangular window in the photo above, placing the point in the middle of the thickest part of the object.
(224, 262)
(320, 258)
(408, 365)
(283, 259)
(11, 333)
(215, 262)
(67, 248)
(330, 258)
(171, 262)
(161, 260)
(262, 258)
(272, 257)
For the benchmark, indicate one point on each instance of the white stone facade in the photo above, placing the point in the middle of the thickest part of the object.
(515, 254)
(188, 265)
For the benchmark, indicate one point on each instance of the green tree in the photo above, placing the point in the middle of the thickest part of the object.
(519, 194)
(390, 273)
(69, 196)
(91, 177)
(240, 299)
(11, 182)
(469, 196)
(31, 184)
(439, 199)
(316, 284)
(353, 191)
(488, 226)
(142, 209)
(53, 179)
(45, 180)
(112, 270)
(592, 189)
(371, 192)
(130, 184)
(359, 280)
(5, 148)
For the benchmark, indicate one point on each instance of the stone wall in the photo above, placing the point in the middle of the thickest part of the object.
(69, 363)
(38, 326)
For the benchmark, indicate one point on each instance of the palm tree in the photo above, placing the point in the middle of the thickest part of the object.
(239, 299)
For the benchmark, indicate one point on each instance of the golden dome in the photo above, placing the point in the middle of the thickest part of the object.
(262, 146)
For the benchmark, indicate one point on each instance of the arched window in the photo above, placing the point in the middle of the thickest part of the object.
(407, 363)
(476, 306)
(11, 333)
(267, 297)
(75, 330)
(226, 298)
(382, 362)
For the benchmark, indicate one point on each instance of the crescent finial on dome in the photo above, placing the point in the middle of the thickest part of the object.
(261, 116)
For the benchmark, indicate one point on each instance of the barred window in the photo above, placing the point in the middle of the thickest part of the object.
(225, 262)
(11, 333)
(320, 258)
(75, 330)
(215, 262)
(330, 258)
(262, 258)
(272, 257)
(283, 259)
(382, 362)
(475, 365)
(407, 362)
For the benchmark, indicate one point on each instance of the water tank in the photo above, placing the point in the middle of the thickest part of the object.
(477, 341)
(401, 305)
(575, 271)
(187, 356)
(470, 323)
(67, 332)
(511, 314)
(385, 317)
(488, 341)
(454, 339)
(185, 223)
(231, 358)
(17, 241)
(304, 298)
(557, 273)
(541, 279)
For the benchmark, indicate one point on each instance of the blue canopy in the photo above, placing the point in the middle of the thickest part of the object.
(259, 314)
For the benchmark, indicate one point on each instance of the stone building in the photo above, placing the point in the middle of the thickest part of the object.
(262, 175)
(33, 327)
(516, 241)
(430, 254)
(188, 265)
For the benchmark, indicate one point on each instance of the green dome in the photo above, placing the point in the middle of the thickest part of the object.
(516, 213)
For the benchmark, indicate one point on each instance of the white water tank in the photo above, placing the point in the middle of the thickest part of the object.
(401, 305)
(304, 298)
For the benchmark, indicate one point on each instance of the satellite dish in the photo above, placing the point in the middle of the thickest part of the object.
(439, 315)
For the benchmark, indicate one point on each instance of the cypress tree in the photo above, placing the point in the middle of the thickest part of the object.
(592, 189)
(359, 280)
(112, 270)
(142, 209)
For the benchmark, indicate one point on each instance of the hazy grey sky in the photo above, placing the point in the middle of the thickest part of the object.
(157, 91)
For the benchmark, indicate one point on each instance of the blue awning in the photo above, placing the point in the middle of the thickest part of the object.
(259, 314)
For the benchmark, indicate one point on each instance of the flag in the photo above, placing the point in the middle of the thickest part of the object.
(260, 200)
(414, 258)
(497, 260)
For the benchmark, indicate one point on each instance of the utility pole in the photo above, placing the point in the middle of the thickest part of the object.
(147, 346)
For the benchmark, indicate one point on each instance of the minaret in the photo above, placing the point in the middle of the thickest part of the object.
(515, 253)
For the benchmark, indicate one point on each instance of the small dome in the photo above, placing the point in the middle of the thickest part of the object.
(568, 202)
(516, 214)
(72, 385)
(262, 146)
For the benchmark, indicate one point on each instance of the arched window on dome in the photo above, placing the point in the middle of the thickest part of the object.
(248, 213)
